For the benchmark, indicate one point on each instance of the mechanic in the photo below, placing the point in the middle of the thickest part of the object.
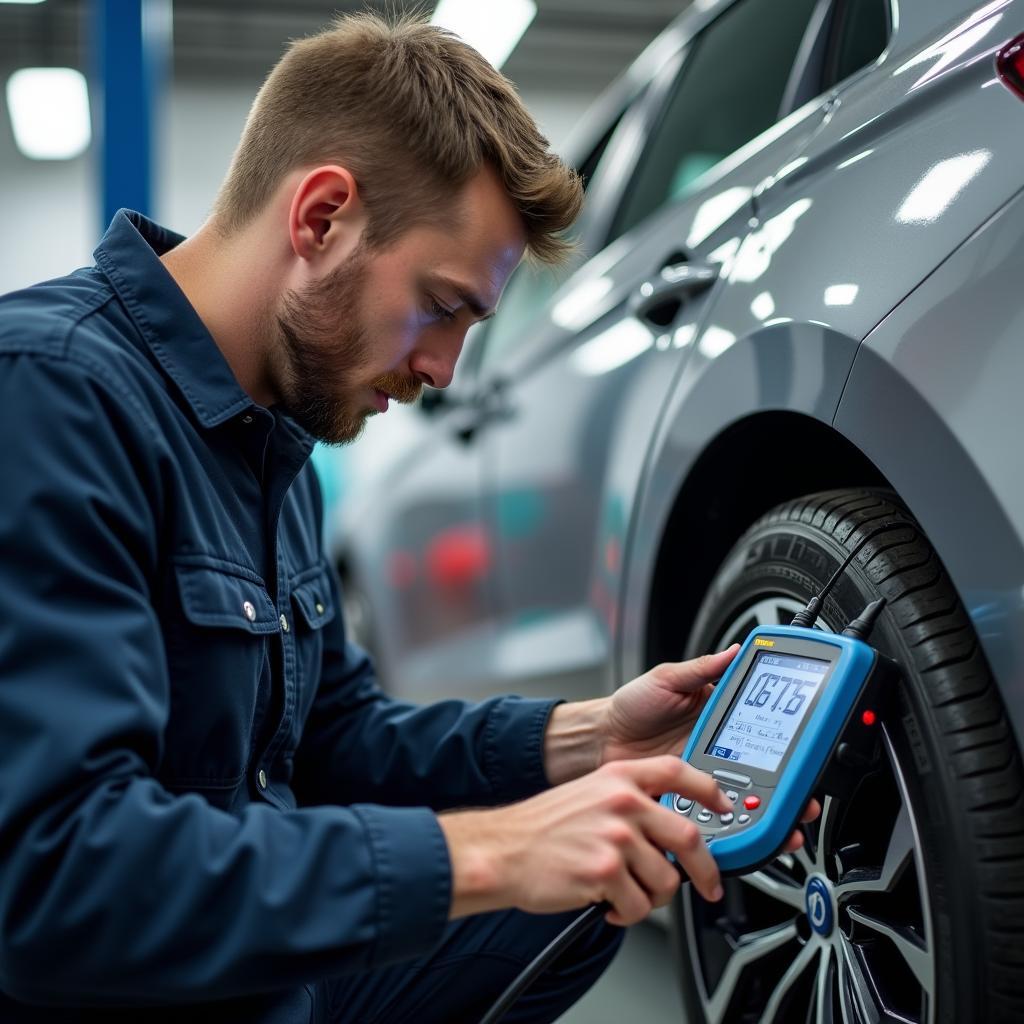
(207, 806)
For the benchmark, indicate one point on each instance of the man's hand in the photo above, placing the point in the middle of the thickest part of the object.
(656, 711)
(650, 716)
(600, 837)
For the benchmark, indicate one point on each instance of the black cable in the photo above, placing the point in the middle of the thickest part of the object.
(543, 959)
(808, 615)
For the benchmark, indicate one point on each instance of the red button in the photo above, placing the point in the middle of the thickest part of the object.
(750, 802)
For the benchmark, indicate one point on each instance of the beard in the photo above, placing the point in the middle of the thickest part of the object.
(326, 352)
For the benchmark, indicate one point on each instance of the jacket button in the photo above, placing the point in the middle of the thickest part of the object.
(261, 778)
(284, 623)
(250, 611)
(319, 608)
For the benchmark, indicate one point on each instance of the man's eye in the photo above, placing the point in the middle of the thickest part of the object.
(440, 312)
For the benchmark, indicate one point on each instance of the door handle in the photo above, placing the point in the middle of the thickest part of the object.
(658, 300)
(489, 404)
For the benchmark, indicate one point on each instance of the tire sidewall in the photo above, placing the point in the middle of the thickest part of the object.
(796, 559)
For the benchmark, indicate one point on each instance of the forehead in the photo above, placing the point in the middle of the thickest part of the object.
(480, 237)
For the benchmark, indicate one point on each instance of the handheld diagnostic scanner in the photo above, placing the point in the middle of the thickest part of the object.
(796, 703)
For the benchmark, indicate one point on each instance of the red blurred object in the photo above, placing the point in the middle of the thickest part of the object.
(751, 802)
(611, 555)
(869, 718)
(459, 556)
(1010, 65)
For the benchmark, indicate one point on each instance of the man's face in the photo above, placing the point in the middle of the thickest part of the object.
(383, 323)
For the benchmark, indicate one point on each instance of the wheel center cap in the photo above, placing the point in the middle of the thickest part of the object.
(818, 905)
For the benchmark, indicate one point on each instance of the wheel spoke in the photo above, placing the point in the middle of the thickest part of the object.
(770, 612)
(823, 988)
(823, 842)
(804, 858)
(786, 982)
(749, 948)
(771, 885)
(910, 947)
(855, 993)
(899, 851)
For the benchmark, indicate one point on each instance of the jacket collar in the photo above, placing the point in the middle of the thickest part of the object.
(129, 255)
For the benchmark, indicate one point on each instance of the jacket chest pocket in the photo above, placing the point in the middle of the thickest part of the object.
(218, 621)
(313, 607)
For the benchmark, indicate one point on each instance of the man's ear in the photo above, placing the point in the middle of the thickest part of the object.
(327, 216)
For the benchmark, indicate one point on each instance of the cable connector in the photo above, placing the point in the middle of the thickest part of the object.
(861, 626)
(808, 615)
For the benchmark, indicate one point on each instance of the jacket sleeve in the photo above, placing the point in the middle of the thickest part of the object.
(360, 744)
(114, 891)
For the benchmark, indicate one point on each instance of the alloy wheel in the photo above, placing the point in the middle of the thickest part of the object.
(841, 930)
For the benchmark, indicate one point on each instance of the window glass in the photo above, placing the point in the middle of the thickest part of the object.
(863, 32)
(730, 90)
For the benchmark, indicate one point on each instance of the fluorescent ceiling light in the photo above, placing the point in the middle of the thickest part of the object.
(49, 112)
(21, 1)
(493, 27)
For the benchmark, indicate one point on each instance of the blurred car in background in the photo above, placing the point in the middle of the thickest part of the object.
(793, 327)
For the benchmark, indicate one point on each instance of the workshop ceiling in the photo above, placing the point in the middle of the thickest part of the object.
(572, 45)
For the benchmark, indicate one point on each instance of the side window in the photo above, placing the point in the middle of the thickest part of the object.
(729, 90)
(530, 287)
(860, 34)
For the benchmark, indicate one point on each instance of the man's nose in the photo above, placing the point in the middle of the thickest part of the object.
(435, 366)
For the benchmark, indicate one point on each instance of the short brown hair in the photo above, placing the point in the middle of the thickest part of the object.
(414, 113)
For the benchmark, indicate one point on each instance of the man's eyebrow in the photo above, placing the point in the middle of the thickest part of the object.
(471, 301)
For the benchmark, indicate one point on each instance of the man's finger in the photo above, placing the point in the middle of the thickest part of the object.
(687, 676)
(794, 842)
(652, 870)
(668, 831)
(630, 903)
(811, 811)
(669, 774)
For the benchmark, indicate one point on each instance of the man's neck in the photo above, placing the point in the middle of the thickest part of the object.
(228, 284)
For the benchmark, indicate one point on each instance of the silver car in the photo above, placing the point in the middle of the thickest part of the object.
(795, 325)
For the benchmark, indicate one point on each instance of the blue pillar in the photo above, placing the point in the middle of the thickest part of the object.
(131, 51)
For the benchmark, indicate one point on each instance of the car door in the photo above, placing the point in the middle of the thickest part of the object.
(573, 392)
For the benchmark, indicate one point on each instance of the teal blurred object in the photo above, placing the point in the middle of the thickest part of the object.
(330, 465)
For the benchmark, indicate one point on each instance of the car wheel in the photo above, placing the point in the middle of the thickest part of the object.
(922, 863)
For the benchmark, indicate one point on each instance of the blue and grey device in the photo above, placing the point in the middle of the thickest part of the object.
(793, 704)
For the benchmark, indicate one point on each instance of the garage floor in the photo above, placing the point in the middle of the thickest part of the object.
(640, 985)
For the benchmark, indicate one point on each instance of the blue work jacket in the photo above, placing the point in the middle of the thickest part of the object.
(204, 795)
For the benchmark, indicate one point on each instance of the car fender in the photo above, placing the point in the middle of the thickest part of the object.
(782, 368)
(934, 401)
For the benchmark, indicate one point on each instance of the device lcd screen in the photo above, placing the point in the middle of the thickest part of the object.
(765, 717)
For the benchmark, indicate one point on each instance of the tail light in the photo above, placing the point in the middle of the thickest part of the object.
(1010, 64)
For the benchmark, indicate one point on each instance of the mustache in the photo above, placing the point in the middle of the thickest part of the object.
(400, 387)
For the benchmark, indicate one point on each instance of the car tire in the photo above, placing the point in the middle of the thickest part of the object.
(925, 860)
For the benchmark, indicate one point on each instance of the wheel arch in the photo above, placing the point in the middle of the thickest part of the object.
(720, 498)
